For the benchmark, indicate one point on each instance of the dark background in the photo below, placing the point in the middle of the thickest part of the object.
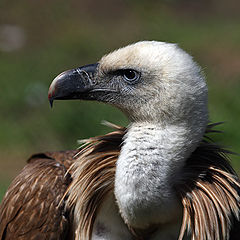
(39, 39)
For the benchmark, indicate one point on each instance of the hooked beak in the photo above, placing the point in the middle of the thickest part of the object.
(74, 84)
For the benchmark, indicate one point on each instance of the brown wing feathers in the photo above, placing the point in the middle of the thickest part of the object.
(93, 178)
(31, 208)
(208, 190)
(210, 193)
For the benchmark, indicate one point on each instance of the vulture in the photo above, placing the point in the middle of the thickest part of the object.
(159, 178)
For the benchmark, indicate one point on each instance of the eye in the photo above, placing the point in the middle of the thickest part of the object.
(130, 76)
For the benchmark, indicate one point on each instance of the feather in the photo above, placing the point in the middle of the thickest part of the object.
(93, 178)
(211, 186)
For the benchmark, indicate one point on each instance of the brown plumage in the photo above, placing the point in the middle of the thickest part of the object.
(94, 173)
(32, 207)
(38, 203)
(209, 192)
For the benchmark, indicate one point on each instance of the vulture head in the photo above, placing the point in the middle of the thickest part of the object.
(149, 81)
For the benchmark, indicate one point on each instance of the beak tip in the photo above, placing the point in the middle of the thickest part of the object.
(50, 98)
(51, 103)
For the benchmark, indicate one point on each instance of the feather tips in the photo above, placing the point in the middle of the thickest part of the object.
(209, 192)
(93, 178)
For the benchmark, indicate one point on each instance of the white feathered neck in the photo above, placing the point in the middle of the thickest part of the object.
(149, 164)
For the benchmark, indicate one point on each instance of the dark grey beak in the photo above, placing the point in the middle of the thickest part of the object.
(73, 84)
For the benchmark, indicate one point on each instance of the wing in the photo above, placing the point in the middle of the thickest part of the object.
(32, 207)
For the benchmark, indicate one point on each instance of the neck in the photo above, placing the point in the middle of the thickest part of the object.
(151, 158)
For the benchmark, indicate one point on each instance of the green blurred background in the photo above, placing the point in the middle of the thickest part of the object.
(39, 39)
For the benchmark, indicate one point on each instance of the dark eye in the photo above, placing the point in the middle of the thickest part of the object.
(130, 76)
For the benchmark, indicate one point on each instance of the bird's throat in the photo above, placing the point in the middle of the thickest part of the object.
(149, 164)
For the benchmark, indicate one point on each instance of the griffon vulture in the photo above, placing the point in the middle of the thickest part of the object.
(159, 178)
